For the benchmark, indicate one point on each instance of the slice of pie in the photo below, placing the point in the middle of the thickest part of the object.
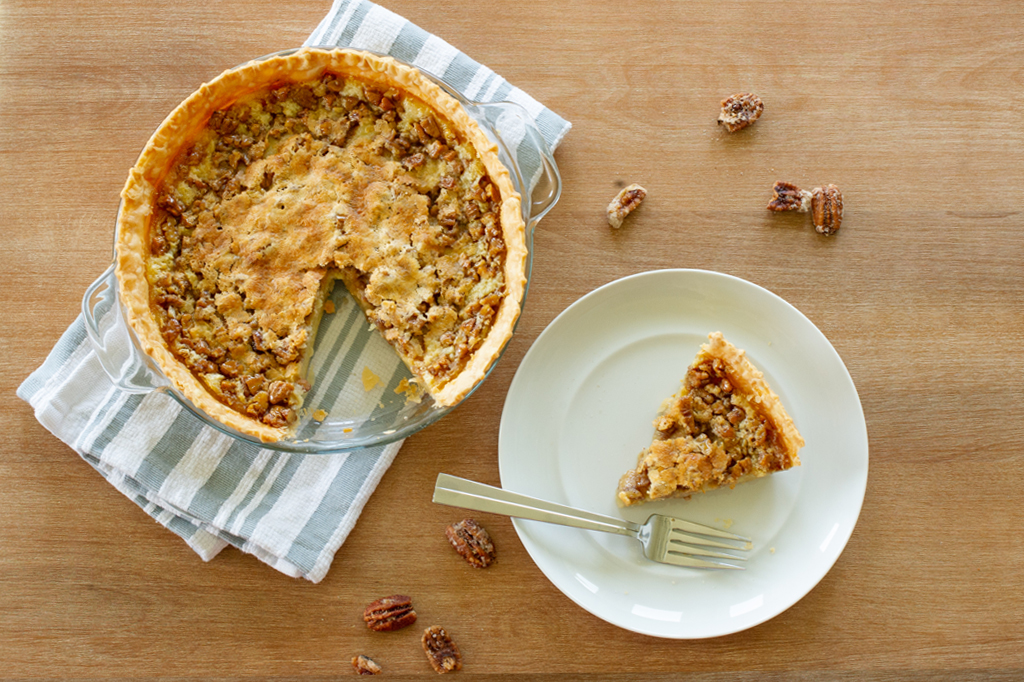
(285, 175)
(724, 426)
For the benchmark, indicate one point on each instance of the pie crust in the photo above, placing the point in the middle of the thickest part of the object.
(723, 427)
(285, 174)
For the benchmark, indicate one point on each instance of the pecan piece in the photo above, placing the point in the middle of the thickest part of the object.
(740, 110)
(788, 197)
(171, 204)
(257, 341)
(253, 383)
(277, 416)
(230, 368)
(365, 665)
(664, 425)
(827, 209)
(304, 96)
(443, 654)
(171, 330)
(373, 96)
(414, 161)
(333, 83)
(242, 141)
(472, 542)
(430, 127)
(624, 203)
(280, 391)
(389, 613)
(257, 407)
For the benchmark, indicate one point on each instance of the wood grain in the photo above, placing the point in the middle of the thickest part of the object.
(912, 108)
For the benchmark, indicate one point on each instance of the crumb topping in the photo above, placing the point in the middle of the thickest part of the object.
(294, 187)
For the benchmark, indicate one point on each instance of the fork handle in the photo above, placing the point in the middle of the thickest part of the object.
(485, 498)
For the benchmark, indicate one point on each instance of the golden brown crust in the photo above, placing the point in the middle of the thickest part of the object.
(751, 382)
(183, 125)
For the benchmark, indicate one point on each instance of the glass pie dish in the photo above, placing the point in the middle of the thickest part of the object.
(357, 398)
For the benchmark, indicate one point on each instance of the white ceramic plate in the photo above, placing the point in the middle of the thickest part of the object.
(580, 409)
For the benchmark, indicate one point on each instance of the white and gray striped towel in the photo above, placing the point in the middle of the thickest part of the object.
(291, 511)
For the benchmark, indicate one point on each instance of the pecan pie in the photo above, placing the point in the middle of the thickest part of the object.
(724, 426)
(280, 177)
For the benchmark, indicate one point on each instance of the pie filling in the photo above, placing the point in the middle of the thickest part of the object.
(713, 433)
(293, 187)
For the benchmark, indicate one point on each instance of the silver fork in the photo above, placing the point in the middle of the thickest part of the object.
(665, 539)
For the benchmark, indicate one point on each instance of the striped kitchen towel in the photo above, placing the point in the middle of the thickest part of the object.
(291, 511)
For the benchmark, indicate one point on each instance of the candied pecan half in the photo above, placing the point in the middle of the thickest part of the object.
(624, 203)
(389, 613)
(824, 203)
(365, 665)
(788, 197)
(740, 110)
(443, 654)
(472, 542)
(827, 209)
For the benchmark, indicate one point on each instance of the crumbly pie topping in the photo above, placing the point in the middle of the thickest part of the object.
(725, 425)
(354, 172)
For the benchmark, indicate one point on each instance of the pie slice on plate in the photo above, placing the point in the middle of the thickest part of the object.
(279, 178)
(724, 426)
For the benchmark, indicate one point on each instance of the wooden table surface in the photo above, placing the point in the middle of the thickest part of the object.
(913, 109)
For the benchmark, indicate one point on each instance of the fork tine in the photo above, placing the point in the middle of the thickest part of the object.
(678, 559)
(691, 527)
(683, 548)
(689, 538)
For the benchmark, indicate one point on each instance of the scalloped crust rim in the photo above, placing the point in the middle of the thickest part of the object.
(190, 117)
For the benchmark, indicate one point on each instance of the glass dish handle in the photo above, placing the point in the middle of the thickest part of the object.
(120, 358)
(546, 181)
(548, 185)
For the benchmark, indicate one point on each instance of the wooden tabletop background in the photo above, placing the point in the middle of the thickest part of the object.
(914, 109)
